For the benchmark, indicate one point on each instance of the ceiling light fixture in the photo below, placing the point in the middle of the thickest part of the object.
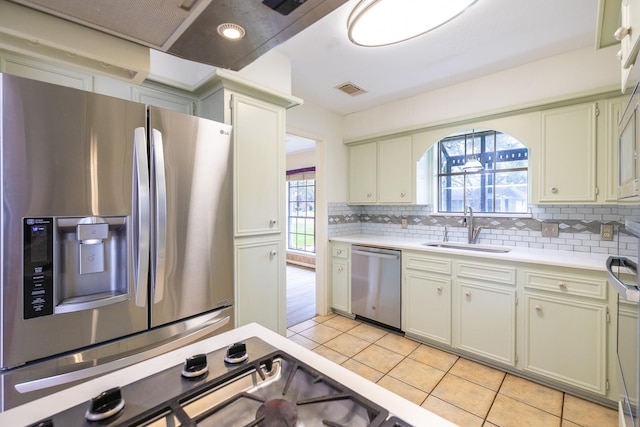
(231, 31)
(385, 22)
(472, 164)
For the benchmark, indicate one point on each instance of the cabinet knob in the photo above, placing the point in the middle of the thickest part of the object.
(339, 268)
(272, 222)
(273, 253)
(468, 293)
(339, 251)
(369, 195)
(439, 288)
(554, 190)
(538, 308)
(621, 33)
(562, 285)
(402, 194)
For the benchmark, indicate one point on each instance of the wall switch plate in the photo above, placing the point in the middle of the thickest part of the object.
(404, 222)
(549, 229)
(606, 231)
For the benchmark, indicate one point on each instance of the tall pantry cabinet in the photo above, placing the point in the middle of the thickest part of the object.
(258, 119)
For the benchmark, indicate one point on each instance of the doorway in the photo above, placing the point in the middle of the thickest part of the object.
(301, 229)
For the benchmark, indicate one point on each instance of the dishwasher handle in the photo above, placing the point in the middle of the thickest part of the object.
(374, 254)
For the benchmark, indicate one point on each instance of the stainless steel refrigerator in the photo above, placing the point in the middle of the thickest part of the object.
(116, 240)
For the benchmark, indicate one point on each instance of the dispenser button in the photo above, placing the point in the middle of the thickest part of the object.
(93, 232)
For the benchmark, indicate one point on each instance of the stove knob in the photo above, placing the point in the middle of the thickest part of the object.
(236, 353)
(195, 366)
(105, 405)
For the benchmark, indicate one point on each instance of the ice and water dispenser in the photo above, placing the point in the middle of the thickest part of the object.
(73, 264)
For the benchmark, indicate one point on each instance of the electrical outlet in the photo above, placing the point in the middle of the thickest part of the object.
(404, 222)
(549, 229)
(606, 231)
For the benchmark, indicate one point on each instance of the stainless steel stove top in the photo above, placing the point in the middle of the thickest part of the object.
(269, 388)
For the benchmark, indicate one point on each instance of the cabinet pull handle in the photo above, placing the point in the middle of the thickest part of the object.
(621, 33)
(562, 285)
(538, 308)
(272, 222)
(273, 253)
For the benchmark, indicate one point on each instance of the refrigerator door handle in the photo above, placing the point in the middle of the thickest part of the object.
(160, 213)
(141, 216)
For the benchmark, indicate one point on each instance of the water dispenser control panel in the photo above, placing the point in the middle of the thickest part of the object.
(38, 267)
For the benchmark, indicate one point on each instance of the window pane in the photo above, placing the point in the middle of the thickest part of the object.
(451, 193)
(511, 153)
(452, 155)
(511, 191)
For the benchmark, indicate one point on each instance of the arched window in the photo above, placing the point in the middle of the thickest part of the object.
(501, 186)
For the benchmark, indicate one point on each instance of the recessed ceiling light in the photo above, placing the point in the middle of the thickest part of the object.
(385, 22)
(231, 31)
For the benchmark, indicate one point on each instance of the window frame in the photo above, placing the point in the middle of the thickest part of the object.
(487, 175)
(293, 177)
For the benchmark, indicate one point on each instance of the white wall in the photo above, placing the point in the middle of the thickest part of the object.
(312, 121)
(301, 159)
(577, 73)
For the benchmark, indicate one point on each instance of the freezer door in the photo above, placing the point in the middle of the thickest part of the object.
(67, 167)
(192, 225)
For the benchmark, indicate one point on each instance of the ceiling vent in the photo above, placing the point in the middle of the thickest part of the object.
(351, 89)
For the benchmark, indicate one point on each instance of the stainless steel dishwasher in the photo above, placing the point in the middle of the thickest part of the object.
(375, 284)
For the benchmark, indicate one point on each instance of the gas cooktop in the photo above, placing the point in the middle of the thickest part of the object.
(250, 383)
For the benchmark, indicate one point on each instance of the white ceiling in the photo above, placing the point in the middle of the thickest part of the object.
(490, 36)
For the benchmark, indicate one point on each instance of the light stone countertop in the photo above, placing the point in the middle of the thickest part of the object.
(583, 260)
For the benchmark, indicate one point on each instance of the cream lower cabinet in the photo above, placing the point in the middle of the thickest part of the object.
(260, 284)
(485, 321)
(340, 278)
(565, 341)
(485, 310)
(426, 297)
(565, 327)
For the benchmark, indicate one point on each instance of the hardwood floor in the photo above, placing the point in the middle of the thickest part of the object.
(301, 294)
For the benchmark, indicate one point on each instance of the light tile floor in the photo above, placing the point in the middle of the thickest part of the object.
(460, 390)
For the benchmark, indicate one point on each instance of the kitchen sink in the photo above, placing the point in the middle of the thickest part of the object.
(468, 247)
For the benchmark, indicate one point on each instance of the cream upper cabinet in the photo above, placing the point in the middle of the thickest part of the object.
(258, 129)
(381, 172)
(567, 172)
(395, 171)
(363, 174)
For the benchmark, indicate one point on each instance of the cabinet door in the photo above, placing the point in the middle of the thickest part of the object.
(486, 321)
(568, 154)
(395, 171)
(363, 175)
(340, 285)
(258, 136)
(259, 296)
(565, 340)
(426, 309)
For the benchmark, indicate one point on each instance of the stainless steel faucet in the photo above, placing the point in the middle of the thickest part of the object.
(472, 233)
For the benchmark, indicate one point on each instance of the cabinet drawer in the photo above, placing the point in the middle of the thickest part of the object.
(340, 251)
(427, 263)
(593, 286)
(488, 272)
